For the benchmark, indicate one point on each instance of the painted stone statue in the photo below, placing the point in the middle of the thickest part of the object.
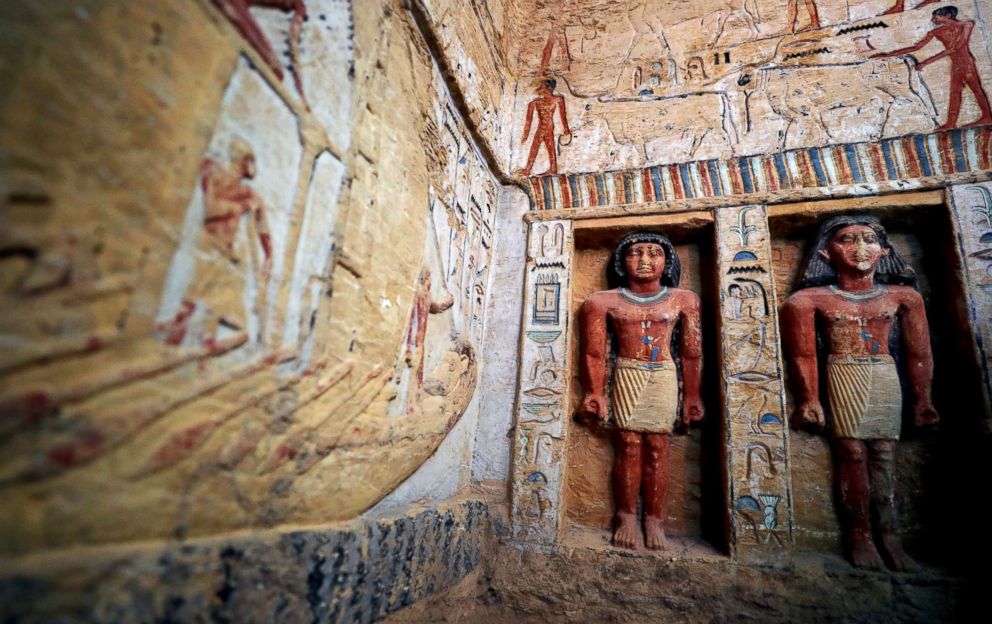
(857, 289)
(630, 330)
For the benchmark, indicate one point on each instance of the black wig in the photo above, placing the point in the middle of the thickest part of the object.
(891, 269)
(670, 276)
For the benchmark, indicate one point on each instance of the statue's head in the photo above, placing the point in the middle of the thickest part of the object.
(645, 256)
(855, 244)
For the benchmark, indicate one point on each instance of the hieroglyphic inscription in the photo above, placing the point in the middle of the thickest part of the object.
(542, 399)
(971, 205)
(759, 486)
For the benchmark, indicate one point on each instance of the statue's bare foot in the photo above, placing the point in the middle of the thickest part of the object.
(625, 533)
(863, 554)
(895, 556)
(654, 533)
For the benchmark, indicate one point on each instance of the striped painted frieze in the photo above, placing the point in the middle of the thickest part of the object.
(759, 486)
(542, 403)
(900, 158)
(971, 206)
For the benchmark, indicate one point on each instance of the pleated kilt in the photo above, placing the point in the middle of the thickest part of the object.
(645, 395)
(865, 397)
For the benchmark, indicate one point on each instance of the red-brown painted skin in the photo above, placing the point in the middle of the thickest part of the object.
(900, 6)
(641, 462)
(238, 13)
(226, 197)
(956, 36)
(792, 16)
(423, 304)
(864, 470)
(544, 107)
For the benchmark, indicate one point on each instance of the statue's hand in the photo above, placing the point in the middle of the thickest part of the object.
(925, 415)
(809, 416)
(593, 410)
(692, 410)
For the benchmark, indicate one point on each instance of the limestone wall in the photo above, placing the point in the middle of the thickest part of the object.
(653, 82)
(245, 264)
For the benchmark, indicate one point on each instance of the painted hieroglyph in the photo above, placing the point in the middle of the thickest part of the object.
(760, 496)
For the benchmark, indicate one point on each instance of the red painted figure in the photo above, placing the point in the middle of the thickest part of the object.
(955, 35)
(857, 287)
(423, 304)
(792, 16)
(544, 107)
(226, 197)
(644, 394)
(900, 6)
(238, 13)
(556, 36)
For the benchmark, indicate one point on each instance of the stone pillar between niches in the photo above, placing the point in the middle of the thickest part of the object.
(542, 404)
(971, 212)
(755, 419)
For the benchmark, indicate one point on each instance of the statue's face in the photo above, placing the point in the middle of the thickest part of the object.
(855, 248)
(644, 262)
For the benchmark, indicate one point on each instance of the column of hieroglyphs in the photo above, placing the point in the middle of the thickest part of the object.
(756, 428)
(971, 207)
(542, 404)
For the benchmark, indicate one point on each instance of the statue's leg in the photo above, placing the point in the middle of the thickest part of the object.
(655, 489)
(626, 484)
(851, 475)
(881, 471)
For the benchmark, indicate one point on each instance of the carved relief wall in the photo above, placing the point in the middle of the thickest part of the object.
(262, 299)
(651, 82)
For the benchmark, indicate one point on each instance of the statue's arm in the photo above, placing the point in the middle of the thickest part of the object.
(798, 323)
(592, 362)
(691, 352)
(919, 359)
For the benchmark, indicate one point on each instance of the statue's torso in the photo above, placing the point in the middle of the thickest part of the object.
(642, 326)
(858, 324)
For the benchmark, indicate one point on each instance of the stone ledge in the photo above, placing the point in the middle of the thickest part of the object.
(359, 572)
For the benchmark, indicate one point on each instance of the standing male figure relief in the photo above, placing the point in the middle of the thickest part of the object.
(644, 393)
(955, 34)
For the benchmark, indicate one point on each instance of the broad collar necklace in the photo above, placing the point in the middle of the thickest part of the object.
(865, 295)
(633, 297)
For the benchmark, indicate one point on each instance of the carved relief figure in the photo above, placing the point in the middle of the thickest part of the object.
(857, 287)
(556, 37)
(640, 316)
(423, 304)
(227, 198)
(544, 107)
(792, 17)
(237, 12)
(955, 34)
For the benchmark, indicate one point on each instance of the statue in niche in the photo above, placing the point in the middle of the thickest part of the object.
(856, 287)
(641, 317)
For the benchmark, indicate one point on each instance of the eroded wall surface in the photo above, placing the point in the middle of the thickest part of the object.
(245, 264)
